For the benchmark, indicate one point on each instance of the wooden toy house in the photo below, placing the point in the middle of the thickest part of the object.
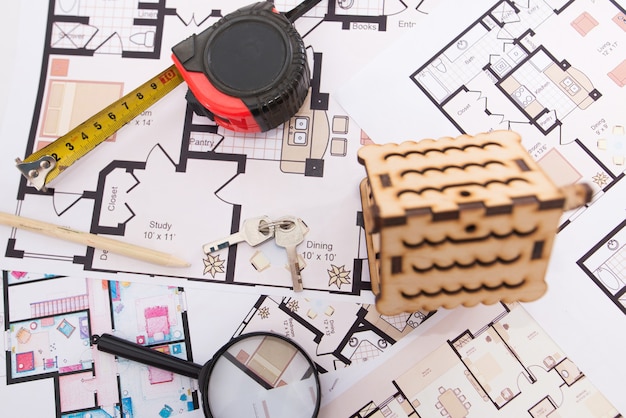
(463, 220)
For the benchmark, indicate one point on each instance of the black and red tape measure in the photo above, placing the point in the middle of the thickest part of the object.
(248, 72)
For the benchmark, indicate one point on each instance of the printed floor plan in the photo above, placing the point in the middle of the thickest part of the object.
(172, 180)
(511, 70)
(552, 71)
(49, 322)
(605, 264)
(506, 367)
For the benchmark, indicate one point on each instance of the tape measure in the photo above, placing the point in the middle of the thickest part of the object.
(44, 165)
(248, 72)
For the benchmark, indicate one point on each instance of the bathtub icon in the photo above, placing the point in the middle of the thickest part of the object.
(609, 279)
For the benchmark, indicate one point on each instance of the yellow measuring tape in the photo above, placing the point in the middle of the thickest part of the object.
(44, 165)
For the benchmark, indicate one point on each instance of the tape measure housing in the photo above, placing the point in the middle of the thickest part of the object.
(248, 72)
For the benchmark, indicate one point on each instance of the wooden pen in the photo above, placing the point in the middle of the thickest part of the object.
(92, 240)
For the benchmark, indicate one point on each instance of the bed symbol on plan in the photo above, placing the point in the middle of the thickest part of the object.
(459, 221)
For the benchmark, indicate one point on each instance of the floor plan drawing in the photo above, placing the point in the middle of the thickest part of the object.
(339, 334)
(172, 180)
(358, 14)
(605, 265)
(508, 367)
(549, 70)
(49, 321)
(509, 70)
(49, 326)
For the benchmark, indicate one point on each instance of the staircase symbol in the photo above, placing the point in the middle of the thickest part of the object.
(59, 306)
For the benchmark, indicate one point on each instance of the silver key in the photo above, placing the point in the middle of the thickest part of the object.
(289, 232)
(254, 231)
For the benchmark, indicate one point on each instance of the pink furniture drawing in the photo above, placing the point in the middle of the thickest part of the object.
(25, 361)
(18, 274)
(618, 74)
(47, 322)
(584, 23)
(157, 322)
(157, 376)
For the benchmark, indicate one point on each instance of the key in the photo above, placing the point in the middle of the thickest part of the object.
(288, 233)
(254, 231)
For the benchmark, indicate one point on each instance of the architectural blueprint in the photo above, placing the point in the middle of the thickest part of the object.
(497, 364)
(489, 361)
(48, 321)
(173, 181)
(150, 187)
(554, 72)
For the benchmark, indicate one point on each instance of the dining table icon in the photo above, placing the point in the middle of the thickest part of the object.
(452, 403)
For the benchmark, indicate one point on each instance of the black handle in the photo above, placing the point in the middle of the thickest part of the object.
(300, 10)
(135, 352)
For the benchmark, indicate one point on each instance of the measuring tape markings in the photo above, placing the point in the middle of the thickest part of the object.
(44, 165)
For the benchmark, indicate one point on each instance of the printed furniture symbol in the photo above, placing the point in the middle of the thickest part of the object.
(156, 375)
(339, 147)
(463, 220)
(451, 405)
(23, 335)
(25, 361)
(268, 360)
(66, 328)
(584, 23)
(615, 143)
(618, 74)
(157, 322)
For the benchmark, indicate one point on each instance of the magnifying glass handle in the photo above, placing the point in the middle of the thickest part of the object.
(135, 352)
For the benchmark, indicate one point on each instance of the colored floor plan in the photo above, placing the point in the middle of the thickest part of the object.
(49, 321)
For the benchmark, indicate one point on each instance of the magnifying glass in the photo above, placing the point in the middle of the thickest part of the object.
(259, 374)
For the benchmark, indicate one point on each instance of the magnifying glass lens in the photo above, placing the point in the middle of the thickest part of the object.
(262, 376)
